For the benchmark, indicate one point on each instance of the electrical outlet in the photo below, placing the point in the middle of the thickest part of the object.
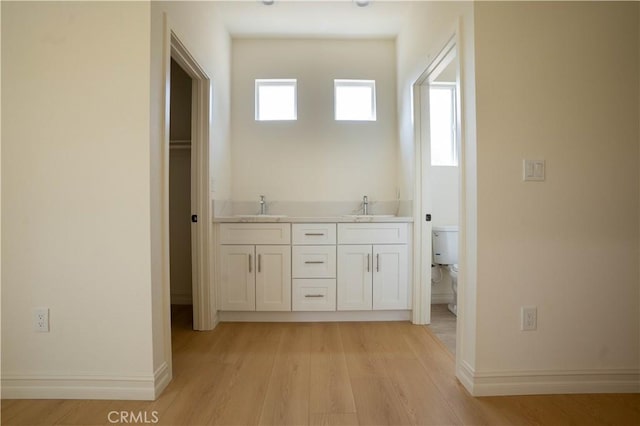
(529, 318)
(41, 319)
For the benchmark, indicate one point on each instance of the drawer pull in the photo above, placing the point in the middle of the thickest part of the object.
(314, 234)
(314, 295)
(313, 261)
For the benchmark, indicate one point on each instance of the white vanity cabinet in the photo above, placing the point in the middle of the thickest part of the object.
(314, 267)
(255, 267)
(373, 266)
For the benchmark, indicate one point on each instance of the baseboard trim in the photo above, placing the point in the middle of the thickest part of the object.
(464, 373)
(26, 386)
(495, 383)
(231, 316)
(162, 377)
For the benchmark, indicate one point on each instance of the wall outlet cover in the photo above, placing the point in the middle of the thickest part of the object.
(529, 318)
(41, 320)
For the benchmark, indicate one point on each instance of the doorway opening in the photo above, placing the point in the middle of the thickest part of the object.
(199, 217)
(180, 191)
(437, 118)
(186, 207)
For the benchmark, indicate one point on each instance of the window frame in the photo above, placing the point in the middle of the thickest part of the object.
(262, 82)
(341, 82)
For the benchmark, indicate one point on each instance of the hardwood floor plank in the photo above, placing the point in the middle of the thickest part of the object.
(331, 387)
(419, 397)
(440, 367)
(244, 387)
(192, 396)
(287, 398)
(361, 352)
(333, 419)
(600, 409)
(530, 410)
(40, 412)
(376, 402)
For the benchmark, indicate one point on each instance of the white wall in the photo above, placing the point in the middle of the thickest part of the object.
(75, 197)
(314, 158)
(0, 178)
(568, 245)
(85, 186)
(444, 192)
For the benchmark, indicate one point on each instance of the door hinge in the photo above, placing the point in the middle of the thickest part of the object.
(428, 217)
(194, 218)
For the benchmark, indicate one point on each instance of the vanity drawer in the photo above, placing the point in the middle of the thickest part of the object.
(314, 233)
(314, 261)
(314, 295)
(372, 233)
(255, 233)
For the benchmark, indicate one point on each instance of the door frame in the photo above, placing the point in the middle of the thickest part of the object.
(201, 101)
(422, 193)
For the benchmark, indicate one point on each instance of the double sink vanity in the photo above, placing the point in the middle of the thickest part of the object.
(285, 268)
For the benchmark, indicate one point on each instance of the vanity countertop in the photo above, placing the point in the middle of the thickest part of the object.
(313, 219)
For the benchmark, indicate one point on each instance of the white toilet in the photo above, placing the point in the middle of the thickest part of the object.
(445, 253)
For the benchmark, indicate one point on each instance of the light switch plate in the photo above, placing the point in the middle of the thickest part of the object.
(533, 170)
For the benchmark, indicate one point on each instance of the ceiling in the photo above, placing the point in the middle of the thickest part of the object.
(313, 18)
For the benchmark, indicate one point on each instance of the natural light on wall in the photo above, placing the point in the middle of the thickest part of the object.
(276, 99)
(442, 121)
(355, 100)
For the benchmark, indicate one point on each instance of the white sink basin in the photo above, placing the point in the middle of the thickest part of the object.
(260, 216)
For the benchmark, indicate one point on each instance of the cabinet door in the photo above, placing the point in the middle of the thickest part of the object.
(273, 278)
(390, 277)
(354, 277)
(237, 278)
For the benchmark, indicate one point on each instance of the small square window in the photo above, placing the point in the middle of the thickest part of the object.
(355, 100)
(276, 99)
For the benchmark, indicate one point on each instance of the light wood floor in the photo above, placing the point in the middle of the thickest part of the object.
(323, 374)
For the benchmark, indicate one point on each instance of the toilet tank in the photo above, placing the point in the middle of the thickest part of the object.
(445, 245)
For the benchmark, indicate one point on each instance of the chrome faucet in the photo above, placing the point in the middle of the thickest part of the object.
(263, 205)
(365, 205)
